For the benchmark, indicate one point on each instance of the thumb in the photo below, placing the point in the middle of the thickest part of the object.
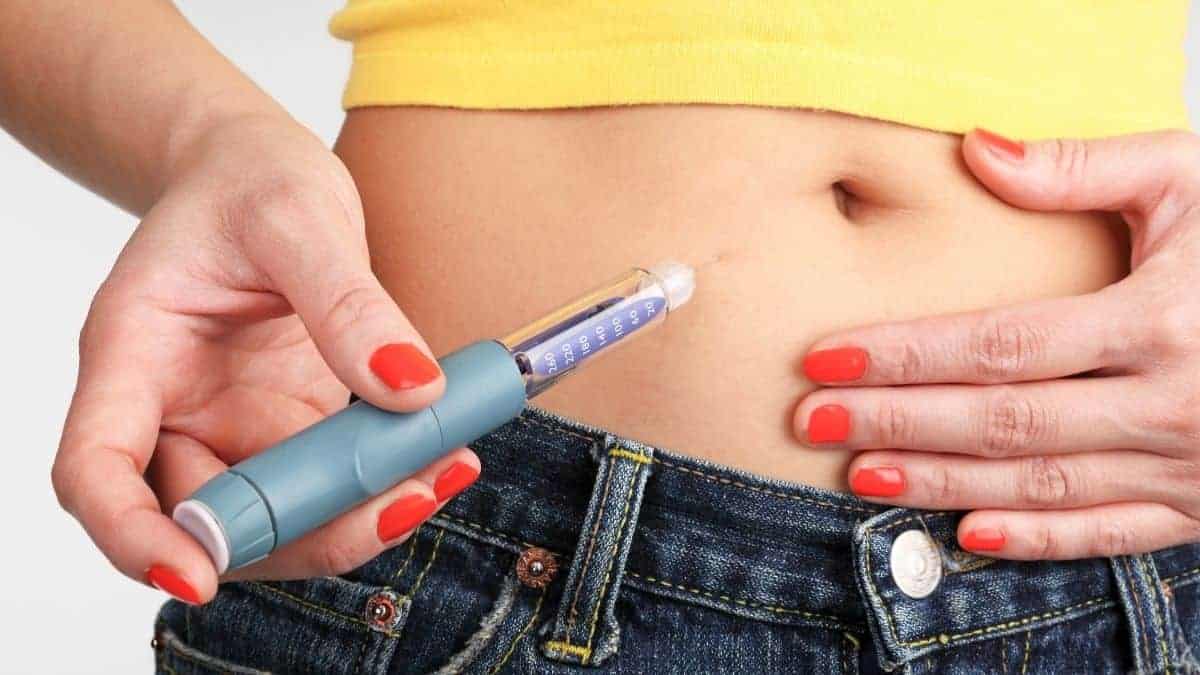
(313, 251)
(1140, 174)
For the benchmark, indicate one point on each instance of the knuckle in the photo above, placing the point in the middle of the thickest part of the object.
(1112, 537)
(893, 424)
(1001, 350)
(274, 198)
(1070, 157)
(1045, 482)
(279, 208)
(353, 306)
(943, 488)
(1181, 421)
(1175, 330)
(1014, 424)
(1044, 543)
(911, 364)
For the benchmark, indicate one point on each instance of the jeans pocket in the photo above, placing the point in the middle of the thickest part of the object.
(174, 657)
(470, 611)
(322, 625)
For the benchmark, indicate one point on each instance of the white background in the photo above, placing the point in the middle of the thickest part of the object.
(62, 607)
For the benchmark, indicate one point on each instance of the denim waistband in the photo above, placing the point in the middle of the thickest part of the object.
(770, 550)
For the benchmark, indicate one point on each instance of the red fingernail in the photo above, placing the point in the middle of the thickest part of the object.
(403, 515)
(1004, 148)
(402, 366)
(983, 539)
(829, 424)
(172, 584)
(836, 365)
(878, 481)
(454, 480)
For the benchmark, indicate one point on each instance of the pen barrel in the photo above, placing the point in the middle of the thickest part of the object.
(307, 480)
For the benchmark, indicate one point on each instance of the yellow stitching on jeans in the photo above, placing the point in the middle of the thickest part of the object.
(412, 550)
(512, 648)
(695, 591)
(566, 647)
(571, 615)
(432, 556)
(921, 517)
(1137, 606)
(551, 427)
(849, 654)
(1183, 576)
(1025, 661)
(1162, 624)
(874, 592)
(485, 528)
(1015, 623)
(633, 479)
(943, 638)
(774, 493)
(633, 456)
(319, 608)
(738, 601)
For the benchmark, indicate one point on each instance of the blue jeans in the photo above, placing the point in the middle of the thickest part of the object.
(578, 549)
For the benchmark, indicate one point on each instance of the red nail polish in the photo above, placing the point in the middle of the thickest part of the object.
(402, 366)
(829, 424)
(403, 515)
(983, 539)
(878, 481)
(836, 365)
(172, 584)
(454, 480)
(1004, 148)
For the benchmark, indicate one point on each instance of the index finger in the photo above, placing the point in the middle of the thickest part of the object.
(1035, 341)
(107, 441)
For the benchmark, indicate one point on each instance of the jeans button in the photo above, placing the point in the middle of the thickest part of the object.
(536, 567)
(916, 563)
(381, 611)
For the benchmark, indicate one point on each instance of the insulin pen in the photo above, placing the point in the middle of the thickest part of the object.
(274, 497)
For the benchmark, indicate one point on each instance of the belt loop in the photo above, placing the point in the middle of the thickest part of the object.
(1146, 613)
(585, 629)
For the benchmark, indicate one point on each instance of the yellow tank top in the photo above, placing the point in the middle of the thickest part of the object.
(1025, 68)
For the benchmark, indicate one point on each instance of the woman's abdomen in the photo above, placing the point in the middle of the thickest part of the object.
(798, 223)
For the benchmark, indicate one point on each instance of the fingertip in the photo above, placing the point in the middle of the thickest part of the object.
(836, 365)
(405, 513)
(403, 366)
(463, 471)
(381, 396)
(981, 537)
(183, 572)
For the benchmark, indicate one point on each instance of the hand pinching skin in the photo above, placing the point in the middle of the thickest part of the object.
(1069, 427)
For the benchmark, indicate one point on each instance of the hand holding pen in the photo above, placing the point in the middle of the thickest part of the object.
(240, 306)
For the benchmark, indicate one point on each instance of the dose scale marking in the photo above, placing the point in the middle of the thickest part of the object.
(611, 322)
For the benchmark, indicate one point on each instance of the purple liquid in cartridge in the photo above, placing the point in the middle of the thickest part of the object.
(567, 345)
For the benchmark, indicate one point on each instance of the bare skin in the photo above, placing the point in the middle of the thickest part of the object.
(527, 209)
